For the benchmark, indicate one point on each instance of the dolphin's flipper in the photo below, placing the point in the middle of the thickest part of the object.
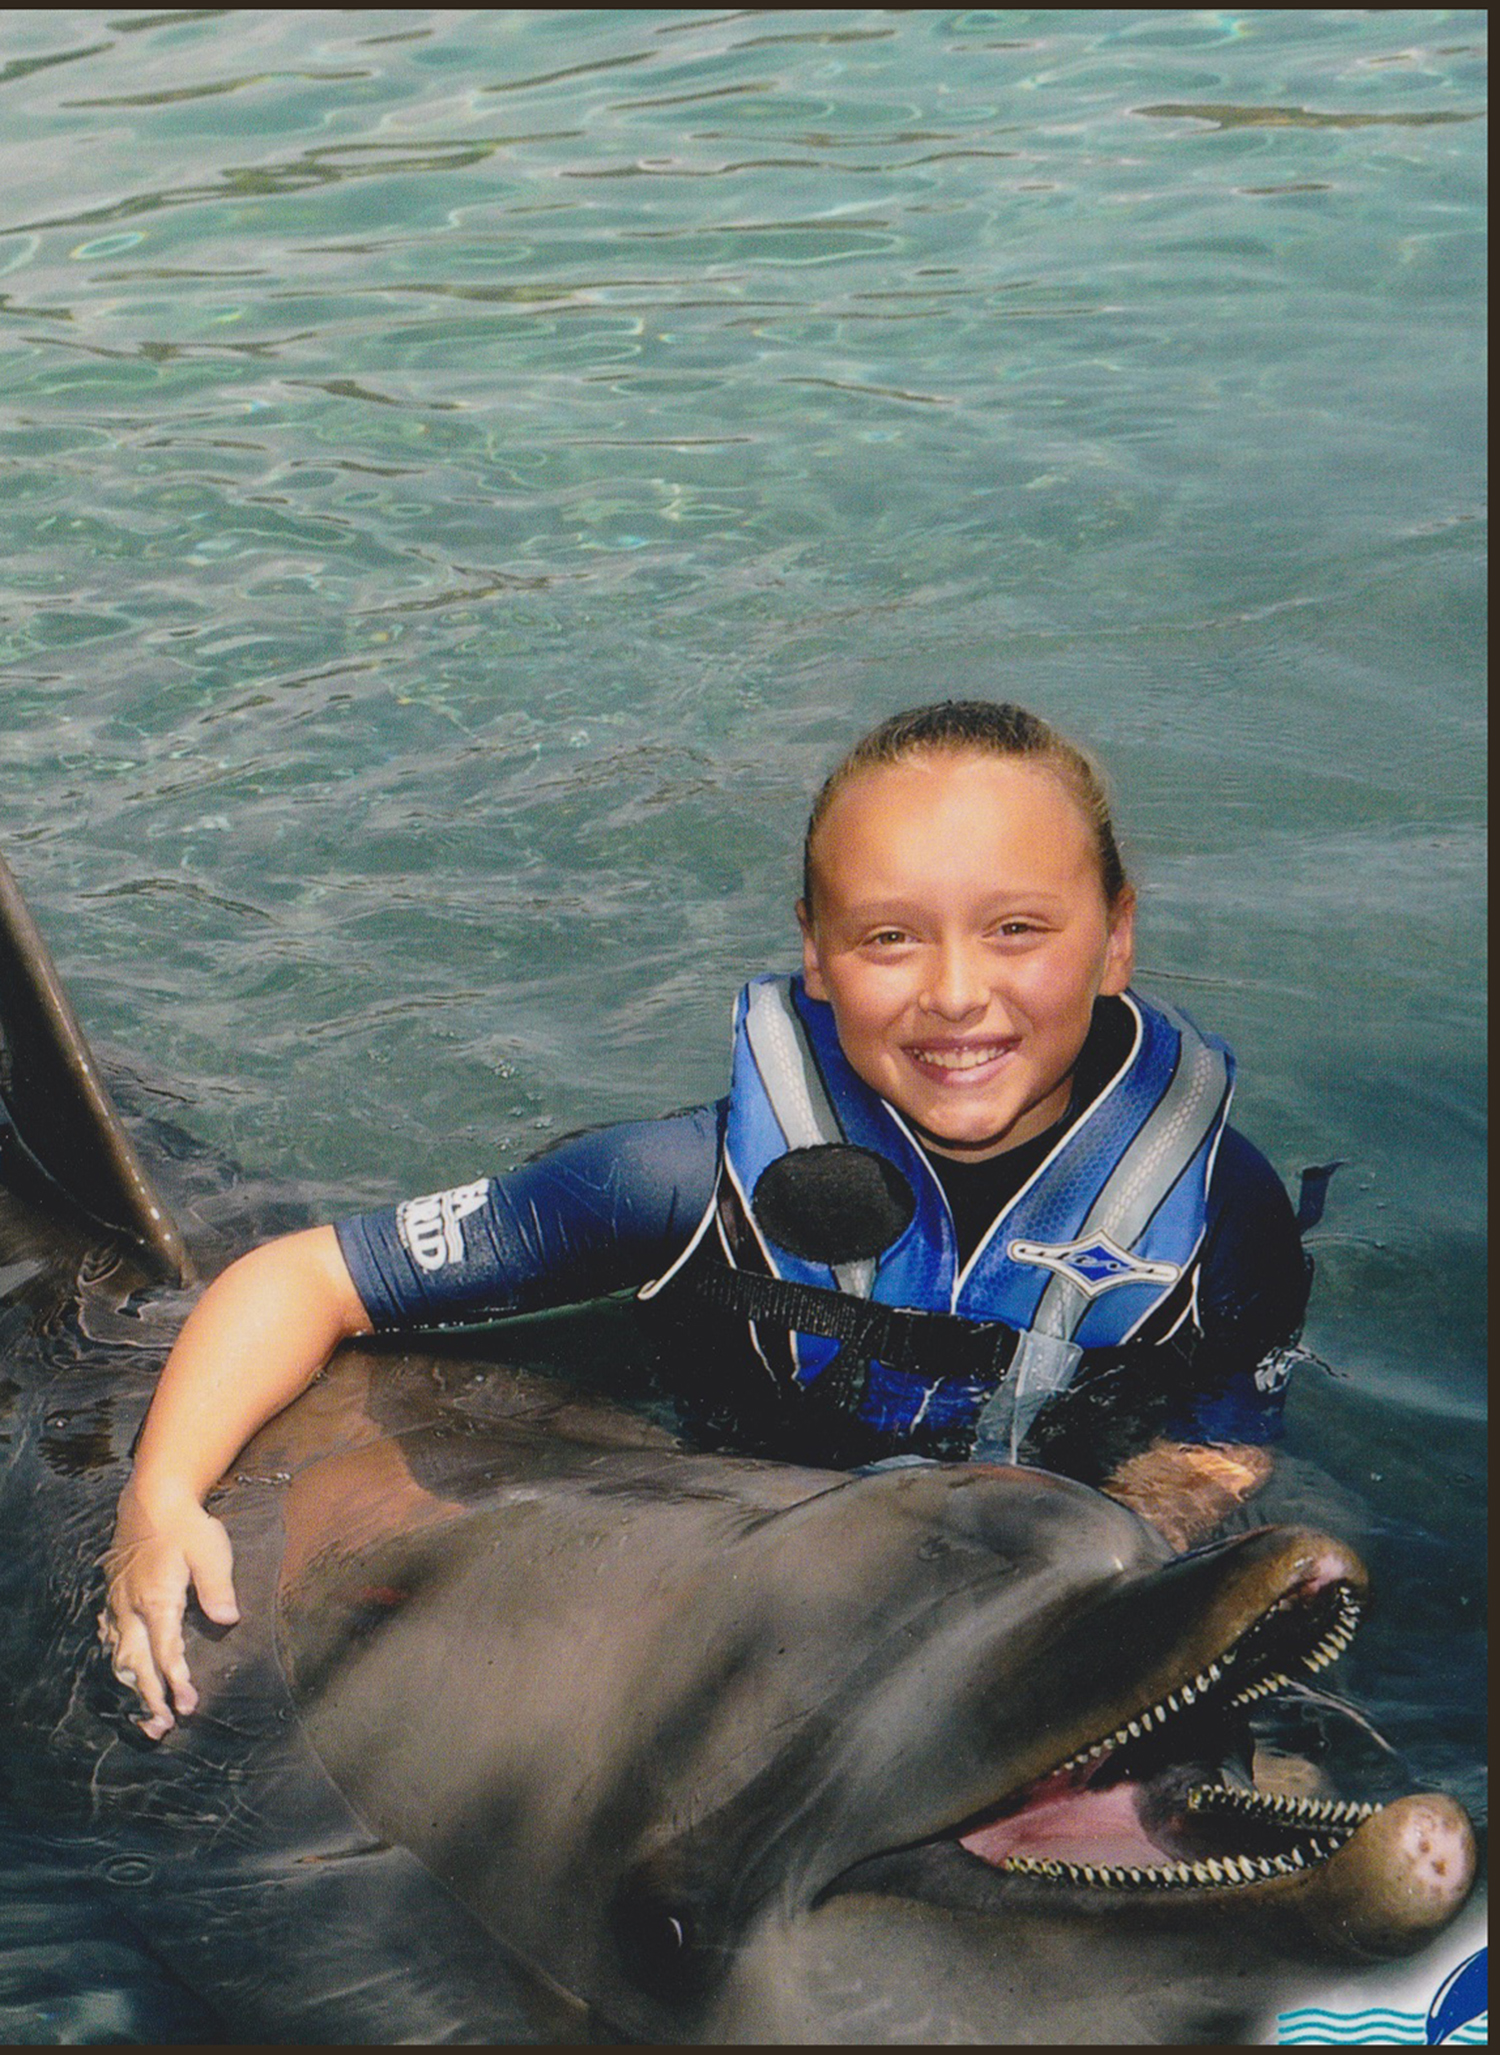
(59, 1109)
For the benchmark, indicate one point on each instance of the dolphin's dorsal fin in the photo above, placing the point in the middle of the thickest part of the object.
(57, 1101)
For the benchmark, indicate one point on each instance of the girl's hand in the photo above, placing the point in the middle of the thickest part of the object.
(155, 1557)
(1185, 1490)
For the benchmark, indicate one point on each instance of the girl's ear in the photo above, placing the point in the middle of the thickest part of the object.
(812, 969)
(1119, 952)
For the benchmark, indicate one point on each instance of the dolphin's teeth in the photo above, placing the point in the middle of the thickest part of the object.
(1336, 1638)
(1335, 1821)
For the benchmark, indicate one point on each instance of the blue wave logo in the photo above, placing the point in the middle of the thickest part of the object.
(1462, 1998)
(1457, 2017)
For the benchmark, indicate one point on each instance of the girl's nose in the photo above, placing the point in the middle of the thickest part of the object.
(956, 986)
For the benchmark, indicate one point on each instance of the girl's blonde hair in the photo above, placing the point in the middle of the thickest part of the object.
(989, 728)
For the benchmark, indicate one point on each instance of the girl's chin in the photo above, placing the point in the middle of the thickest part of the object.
(963, 1137)
(975, 1131)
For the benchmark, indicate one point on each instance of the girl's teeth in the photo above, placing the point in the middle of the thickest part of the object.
(956, 1059)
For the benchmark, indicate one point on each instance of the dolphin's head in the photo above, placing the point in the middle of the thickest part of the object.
(724, 1709)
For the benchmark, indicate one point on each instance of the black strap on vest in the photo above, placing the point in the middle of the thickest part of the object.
(925, 1345)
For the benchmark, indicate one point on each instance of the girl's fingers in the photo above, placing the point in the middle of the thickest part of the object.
(141, 1628)
(211, 1565)
(133, 1665)
(161, 1614)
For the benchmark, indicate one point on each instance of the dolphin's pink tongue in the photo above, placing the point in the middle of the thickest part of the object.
(1063, 1821)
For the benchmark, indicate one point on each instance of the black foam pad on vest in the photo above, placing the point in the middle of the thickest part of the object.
(833, 1203)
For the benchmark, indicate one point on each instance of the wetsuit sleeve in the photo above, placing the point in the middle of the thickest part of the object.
(598, 1212)
(1252, 1296)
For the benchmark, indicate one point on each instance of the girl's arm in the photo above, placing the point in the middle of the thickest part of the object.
(258, 1336)
(600, 1211)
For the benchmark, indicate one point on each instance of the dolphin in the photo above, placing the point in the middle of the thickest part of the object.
(541, 1726)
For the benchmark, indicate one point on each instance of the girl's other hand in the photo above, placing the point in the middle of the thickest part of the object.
(1184, 1490)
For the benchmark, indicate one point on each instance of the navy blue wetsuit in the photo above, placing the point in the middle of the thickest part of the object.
(608, 1210)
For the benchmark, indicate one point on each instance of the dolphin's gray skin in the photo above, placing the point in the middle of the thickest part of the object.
(539, 1727)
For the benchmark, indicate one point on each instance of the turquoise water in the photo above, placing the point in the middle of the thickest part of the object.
(466, 476)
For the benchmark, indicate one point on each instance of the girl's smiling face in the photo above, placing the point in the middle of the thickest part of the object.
(959, 930)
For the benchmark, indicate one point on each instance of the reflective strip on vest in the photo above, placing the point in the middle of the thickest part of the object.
(795, 1089)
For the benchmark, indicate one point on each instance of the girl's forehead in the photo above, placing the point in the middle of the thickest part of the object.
(952, 828)
(995, 791)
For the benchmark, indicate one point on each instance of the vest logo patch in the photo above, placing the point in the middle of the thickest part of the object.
(429, 1227)
(1095, 1264)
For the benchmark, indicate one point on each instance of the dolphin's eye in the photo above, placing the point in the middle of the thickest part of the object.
(657, 1938)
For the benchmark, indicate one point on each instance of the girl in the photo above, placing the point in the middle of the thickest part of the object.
(969, 1196)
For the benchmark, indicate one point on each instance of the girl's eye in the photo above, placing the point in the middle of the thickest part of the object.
(1018, 927)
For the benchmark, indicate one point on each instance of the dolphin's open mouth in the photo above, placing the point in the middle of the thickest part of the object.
(1164, 1799)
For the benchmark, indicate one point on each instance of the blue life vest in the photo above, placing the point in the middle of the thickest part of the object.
(1106, 1229)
